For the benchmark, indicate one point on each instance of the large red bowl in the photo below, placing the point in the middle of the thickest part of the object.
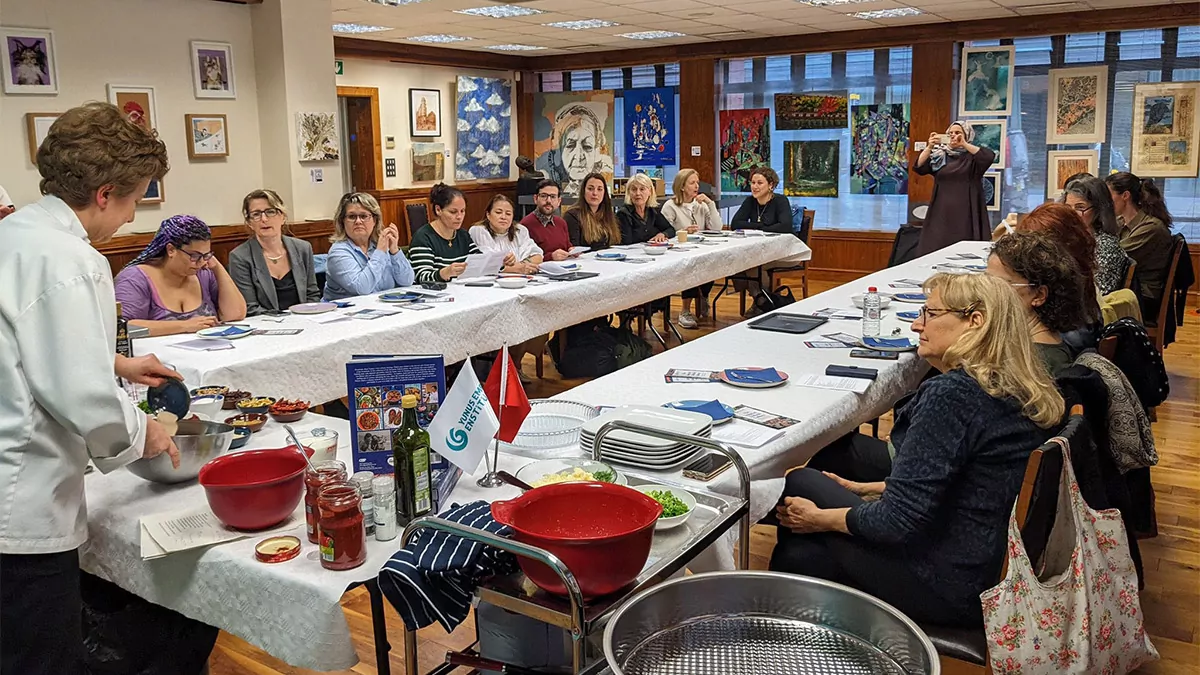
(601, 531)
(255, 489)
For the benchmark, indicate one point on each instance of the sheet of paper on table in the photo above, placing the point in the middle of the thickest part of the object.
(204, 344)
(745, 434)
(483, 263)
(167, 533)
(373, 313)
(854, 384)
(835, 313)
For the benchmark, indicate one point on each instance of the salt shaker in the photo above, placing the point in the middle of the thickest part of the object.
(384, 488)
(364, 479)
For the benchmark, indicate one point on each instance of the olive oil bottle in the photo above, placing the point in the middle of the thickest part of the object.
(410, 453)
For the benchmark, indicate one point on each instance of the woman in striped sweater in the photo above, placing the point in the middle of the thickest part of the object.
(439, 250)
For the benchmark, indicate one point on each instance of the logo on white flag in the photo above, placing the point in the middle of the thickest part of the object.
(465, 424)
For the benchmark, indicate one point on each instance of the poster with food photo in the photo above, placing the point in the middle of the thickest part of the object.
(377, 385)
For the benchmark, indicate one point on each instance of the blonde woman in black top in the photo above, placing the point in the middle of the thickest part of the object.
(639, 218)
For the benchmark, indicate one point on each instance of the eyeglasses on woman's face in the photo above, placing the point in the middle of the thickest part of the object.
(359, 217)
(197, 257)
(263, 214)
(926, 313)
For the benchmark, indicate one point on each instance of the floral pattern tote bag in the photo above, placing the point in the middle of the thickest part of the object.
(1081, 613)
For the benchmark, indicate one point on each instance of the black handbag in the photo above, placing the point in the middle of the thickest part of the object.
(765, 300)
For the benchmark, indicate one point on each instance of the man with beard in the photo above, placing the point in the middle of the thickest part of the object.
(546, 229)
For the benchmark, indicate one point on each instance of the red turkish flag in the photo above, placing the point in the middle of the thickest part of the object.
(512, 407)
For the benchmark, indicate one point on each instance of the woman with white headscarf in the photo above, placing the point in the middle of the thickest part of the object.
(958, 209)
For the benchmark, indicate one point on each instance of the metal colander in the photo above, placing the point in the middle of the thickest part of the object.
(763, 623)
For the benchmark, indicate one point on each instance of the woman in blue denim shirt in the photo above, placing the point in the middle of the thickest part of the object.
(365, 257)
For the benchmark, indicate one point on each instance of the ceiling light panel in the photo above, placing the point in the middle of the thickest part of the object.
(438, 38)
(886, 13)
(584, 24)
(515, 48)
(394, 3)
(500, 11)
(357, 28)
(651, 35)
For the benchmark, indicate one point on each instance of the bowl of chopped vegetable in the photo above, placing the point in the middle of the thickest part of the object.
(285, 411)
(677, 504)
(568, 470)
(258, 405)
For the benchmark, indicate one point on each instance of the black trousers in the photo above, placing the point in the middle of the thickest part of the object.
(855, 457)
(41, 629)
(883, 572)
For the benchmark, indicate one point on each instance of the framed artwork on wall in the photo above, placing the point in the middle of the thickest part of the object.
(208, 136)
(991, 190)
(425, 112)
(1062, 164)
(986, 81)
(37, 125)
(1166, 129)
(317, 137)
(155, 193)
(28, 61)
(428, 162)
(1077, 105)
(136, 102)
(212, 69)
(482, 123)
(992, 134)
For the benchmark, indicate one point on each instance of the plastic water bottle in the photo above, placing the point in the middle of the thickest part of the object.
(871, 311)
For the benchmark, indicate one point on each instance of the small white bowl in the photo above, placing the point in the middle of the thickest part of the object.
(654, 250)
(208, 407)
(684, 496)
(512, 282)
(884, 300)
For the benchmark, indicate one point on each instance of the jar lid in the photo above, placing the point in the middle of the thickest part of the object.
(277, 549)
(383, 484)
(362, 479)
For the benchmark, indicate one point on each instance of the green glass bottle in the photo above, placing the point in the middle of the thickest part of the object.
(410, 453)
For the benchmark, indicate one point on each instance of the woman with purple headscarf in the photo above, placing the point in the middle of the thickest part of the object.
(176, 284)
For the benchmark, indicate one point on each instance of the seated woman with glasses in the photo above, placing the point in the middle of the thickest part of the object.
(272, 271)
(176, 284)
(546, 229)
(927, 534)
(1093, 202)
(1051, 287)
(365, 258)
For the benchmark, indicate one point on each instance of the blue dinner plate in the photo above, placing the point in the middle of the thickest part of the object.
(399, 297)
(910, 297)
(610, 256)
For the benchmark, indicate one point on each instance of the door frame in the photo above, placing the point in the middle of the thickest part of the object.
(373, 94)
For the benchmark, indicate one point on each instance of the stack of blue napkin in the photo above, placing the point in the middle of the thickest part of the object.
(433, 578)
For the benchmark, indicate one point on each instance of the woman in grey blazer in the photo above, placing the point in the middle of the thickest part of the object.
(272, 271)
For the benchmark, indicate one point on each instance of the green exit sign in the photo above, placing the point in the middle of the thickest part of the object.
(337, 67)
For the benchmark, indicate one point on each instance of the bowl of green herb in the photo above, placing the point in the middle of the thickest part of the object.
(677, 504)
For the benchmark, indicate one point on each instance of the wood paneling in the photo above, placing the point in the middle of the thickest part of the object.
(932, 85)
(842, 255)
(891, 36)
(476, 194)
(698, 117)
(121, 250)
(1195, 252)
(525, 96)
(414, 53)
(369, 143)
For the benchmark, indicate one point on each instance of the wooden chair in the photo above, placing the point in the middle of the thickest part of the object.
(1128, 283)
(1155, 328)
(963, 651)
(806, 222)
(416, 212)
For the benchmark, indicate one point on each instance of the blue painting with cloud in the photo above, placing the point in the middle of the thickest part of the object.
(483, 123)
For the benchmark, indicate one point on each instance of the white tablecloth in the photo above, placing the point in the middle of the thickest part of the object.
(310, 365)
(292, 609)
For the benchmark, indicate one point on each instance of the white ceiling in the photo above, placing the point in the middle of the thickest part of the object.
(700, 20)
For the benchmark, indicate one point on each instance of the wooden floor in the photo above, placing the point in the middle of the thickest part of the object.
(1171, 601)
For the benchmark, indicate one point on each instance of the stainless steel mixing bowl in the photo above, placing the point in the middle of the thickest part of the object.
(198, 442)
(758, 623)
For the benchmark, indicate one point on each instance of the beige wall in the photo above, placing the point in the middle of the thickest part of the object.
(144, 43)
(393, 81)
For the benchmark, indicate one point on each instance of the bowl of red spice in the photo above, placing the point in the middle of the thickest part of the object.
(286, 411)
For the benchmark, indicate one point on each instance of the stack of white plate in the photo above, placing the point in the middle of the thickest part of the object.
(650, 452)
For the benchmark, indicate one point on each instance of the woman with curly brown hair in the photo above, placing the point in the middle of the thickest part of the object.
(1048, 282)
(1066, 228)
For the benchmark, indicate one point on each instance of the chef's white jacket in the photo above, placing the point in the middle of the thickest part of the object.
(60, 403)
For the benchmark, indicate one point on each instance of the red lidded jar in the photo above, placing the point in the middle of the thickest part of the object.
(326, 472)
(342, 529)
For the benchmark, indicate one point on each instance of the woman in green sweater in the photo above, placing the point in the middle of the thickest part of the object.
(439, 250)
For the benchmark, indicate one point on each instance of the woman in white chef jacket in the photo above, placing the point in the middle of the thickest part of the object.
(61, 404)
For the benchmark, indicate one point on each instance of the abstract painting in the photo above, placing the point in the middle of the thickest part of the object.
(745, 144)
(425, 113)
(991, 190)
(207, 136)
(212, 69)
(649, 127)
(879, 149)
(1062, 164)
(810, 168)
(1077, 105)
(1166, 129)
(809, 111)
(992, 134)
(573, 136)
(317, 137)
(27, 57)
(428, 162)
(483, 120)
(136, 102)
(37, 126)
(986, 84)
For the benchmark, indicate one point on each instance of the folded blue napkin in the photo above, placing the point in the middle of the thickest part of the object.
(745, 375)
(714, 409)
(893, 343)
(230, 330)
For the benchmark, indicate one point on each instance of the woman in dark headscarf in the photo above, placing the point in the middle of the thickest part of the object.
(958, 210)
(176, 284)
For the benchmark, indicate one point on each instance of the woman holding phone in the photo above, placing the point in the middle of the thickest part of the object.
(957, 211)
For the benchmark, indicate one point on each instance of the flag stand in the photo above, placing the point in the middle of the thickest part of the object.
(491, 479)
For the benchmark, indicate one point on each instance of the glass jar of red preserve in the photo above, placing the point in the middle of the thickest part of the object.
(342, 529)
(325, 472)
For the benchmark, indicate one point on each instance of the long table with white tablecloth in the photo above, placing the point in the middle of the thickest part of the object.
(292, 610)
(309, 365)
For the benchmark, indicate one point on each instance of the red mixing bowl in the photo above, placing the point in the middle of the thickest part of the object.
(254, 489)
(601, 531)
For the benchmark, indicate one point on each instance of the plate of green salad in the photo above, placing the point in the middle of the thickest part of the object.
(677, 503)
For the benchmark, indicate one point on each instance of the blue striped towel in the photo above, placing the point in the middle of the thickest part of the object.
(433, 578)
